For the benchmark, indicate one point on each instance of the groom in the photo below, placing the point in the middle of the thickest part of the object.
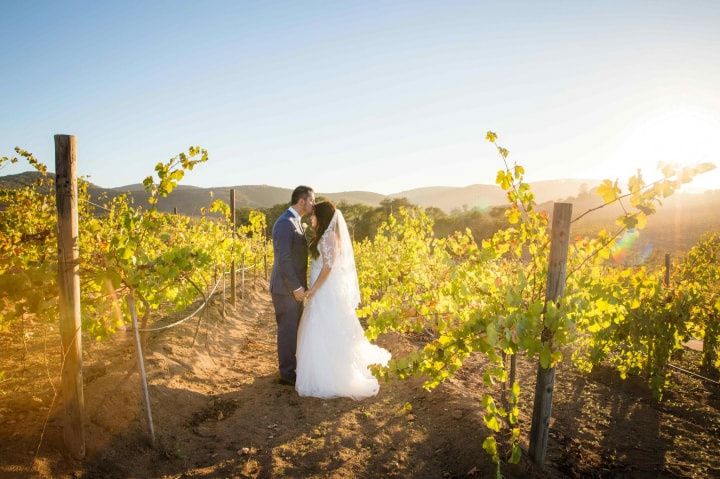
(288, 281)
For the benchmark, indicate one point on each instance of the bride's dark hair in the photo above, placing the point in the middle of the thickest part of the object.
(324, 212)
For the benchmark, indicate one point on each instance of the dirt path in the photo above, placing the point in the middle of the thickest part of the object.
(219, 413)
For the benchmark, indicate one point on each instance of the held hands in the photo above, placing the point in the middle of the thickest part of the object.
(310, 293)
(300, 294)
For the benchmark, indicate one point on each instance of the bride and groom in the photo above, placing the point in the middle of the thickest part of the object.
(322, 349)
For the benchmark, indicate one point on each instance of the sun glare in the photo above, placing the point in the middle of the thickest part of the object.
(681, 136)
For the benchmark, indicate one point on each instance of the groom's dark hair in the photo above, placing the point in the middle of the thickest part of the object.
(299, 193)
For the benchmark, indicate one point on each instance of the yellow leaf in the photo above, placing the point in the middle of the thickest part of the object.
(641, 221)
(608, 191)
(513, 215)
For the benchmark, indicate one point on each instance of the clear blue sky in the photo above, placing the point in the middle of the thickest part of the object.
(379, 96)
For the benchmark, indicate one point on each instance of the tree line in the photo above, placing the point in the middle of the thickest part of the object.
(363, 220)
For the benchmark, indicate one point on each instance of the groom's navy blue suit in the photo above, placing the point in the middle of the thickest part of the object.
(289, 273)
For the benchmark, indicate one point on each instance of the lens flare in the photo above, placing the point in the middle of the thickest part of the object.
(627, 250)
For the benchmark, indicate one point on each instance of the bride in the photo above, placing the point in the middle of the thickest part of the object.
(333, 354)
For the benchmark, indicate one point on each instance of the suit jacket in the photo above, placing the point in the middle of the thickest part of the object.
(290, 251)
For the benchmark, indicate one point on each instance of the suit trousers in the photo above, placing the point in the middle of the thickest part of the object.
(288, 311)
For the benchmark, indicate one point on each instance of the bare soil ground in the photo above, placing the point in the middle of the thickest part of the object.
(219, 413)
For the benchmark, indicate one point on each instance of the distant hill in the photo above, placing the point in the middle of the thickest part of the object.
(139, 187)
(18, 180)
(678, 223)
(249, 196)
(189, 199)
(676, 226)
(449, 198)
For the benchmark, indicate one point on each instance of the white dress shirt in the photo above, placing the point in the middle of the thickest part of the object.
(297, 217)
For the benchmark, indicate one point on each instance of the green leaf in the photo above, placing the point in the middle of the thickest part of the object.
(490, 446)
(492, 423)
(545, 356)
(516, 454)
(491, 332)
(519, 171)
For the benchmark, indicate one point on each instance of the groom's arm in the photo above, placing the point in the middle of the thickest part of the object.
(281, 242)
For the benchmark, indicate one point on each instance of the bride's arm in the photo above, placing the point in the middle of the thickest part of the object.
(324, 273)
(328, 253)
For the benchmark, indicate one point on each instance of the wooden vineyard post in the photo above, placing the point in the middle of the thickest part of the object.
(233, 279)
(175, 210)
(255, 276)
(667, 269)
(66, 198)
(141, 369)
(242, 277)
(223, 292)
(265, 258)
(557, 269)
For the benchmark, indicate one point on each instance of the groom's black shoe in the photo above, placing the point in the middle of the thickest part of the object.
(285, 381)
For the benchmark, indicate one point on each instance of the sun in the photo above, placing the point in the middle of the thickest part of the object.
(682, 136)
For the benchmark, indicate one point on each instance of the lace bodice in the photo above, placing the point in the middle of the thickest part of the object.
(327, 246)
(336, 251)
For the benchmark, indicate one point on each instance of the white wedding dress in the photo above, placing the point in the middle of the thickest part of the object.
(333, 353)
